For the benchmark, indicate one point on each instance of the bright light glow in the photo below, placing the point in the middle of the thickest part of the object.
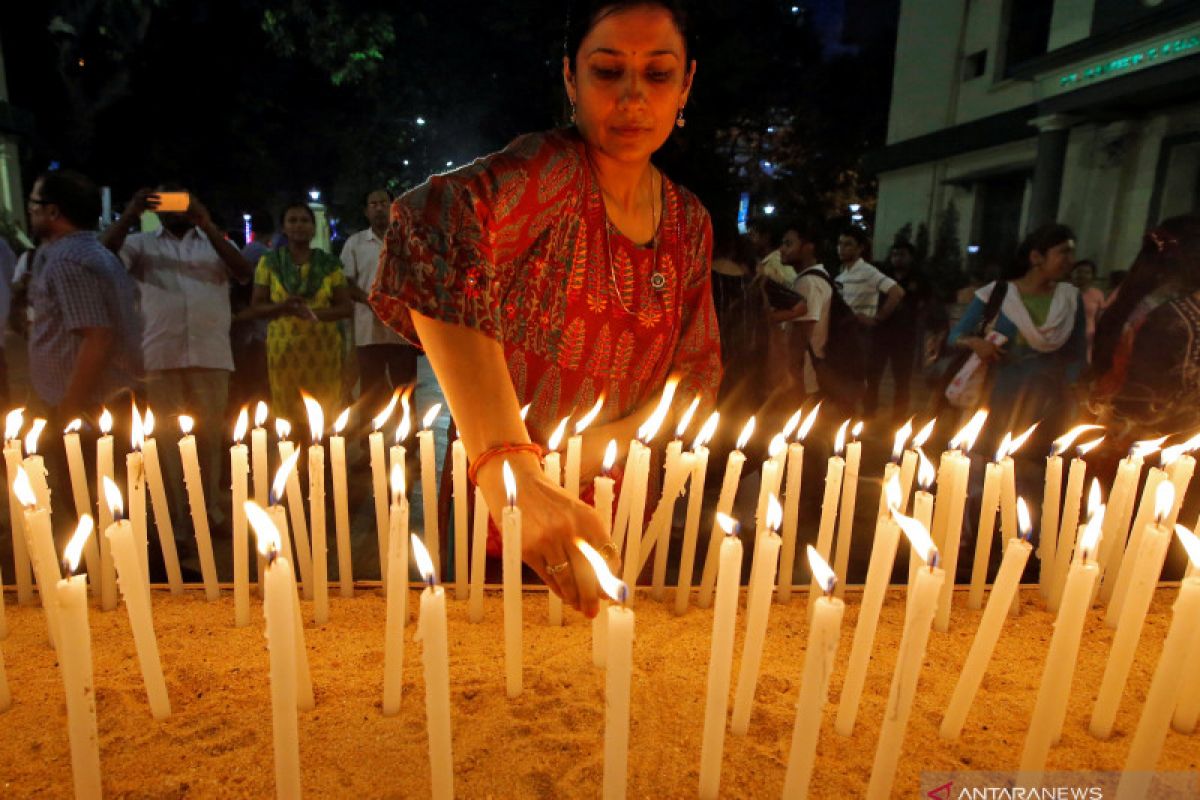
(106, 421)
(74, 426)
(1091, 536)
(965, 439)
(610, 456)
(23, 489)
(405, 426)
(1084, 449)
(186, 424)
(525, 411)
(74, 550)
(1020, 440)
(424, 562)
(809, 421)
(917, 536)
(793, 422)
(559, 432)
(112, 495)
(839, 441)
(316, 416)
(777, 446)
(1191, 544)
(339, 424)
(397, 481)
(1164, 500)
(13, 422)
(769, 209)
(260, 414)
(926, 474)
(650, 427)
(774, 513)
(821, 571)
(686, 419)
(1062, 443)
(747, 432)
(894, 496)
(1023, 521)
(148, 423)
(590, 417)
(923, 435)
(35, 432)
(612, 586)
(239, 427)
(282, 474)
(283, 428)
(1172, 454)
(384, 415)
(901, 439)
(857, 430)
(314, 195)
(1094, 498)
(728, 524)
(265, 532)
(510, 484)
(1002, 450)
(137, 436)
(707, 430)
(430, 416)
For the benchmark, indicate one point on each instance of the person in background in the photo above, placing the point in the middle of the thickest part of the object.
(248, 336)
(860, 285)
(1084, 276)
(8, 267)
(809, 318)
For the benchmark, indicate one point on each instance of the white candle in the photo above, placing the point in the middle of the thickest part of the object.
(720, 658)
(823, 638)
(397, 598)
(436, 660)
(603, 492)
(158, 500)
(40, 541)
(729, 485)
(1069, 523)
(988, 508)
(791, 508)
(575, 448)
(909, 659)
(1146, 572)
(1128, 565)
(135, 481)
(758, 609)
(1051, 506)
(511, 532)
(661, 522)
(429, 486)
(82, 497)
(1116, 522)
(635, 483)
(1180, 468)
(1187, 707)
(771, 478)
(258, 452)
(845, 529)
(137, 604)
(75, 661)
(922, 513)
(379, 484)
(304, 691)
(829, 507)
(105, 469)
(239, 472)
(1016, 555)
(295, 504)
(461, 522)
(960, 466)
(552, 468)
(316, 511)
(341, 505)
(16, 517)
(695, 504)
(195, 491)
(478, 557)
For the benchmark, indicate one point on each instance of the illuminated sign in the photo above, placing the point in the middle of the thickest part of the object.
(1137, 59)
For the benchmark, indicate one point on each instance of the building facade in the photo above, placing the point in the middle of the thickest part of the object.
(1019, 112)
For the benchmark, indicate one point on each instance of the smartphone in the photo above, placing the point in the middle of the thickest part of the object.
(177, 202)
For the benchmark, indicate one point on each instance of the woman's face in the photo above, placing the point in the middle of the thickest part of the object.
(631, 82)
(298, 226)
(1057, 262)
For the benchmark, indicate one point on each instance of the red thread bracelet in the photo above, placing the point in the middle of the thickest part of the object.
(499, 450)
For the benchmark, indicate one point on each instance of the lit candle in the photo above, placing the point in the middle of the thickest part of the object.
(691, 526)
(988, 507)
(41, 550)
(436, 660)
(397, 597)
(1170, 675)
(909, 658)
(16, 518)
(1145, 517)
(75, 661)
(791, 507)
(158, 500)
(636, 483)
(729, 485)
(135, 482)
(846, 514)
(758, 609)
(1146, 572)
(82, 497)
(678, 470)
(1067, 528)
(195, 491)
(910, 465)
(552, 467)
(458, 454)
(278, 598)
(1008, 499)
(137, 603)
(823, 638)
(1050, 709)
(829, 506)
(1008, 579)
(379, 481)
(720, 657)
(35, 465)
(304, 691)
(617, 677)
(1051, 506)
(478, 557)
(1180, 468)
(511, 533)
(959, 466)
(239, 471)
(295, 503)
(105, 469)
(316, 510)
(603, 490)
(575, 448)
(903, 464)
(341, 505)
(258, 452)
(429, 485)
(1121, 504)
(922, 513)
(879, 573)
(771, 478)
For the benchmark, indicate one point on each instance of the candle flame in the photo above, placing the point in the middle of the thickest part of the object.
(112, 495)
(265, 532)
(728, 524)
(1016, 443)
(1084, 449)
(923, 435)
(239, 427)
(1091, 536)
(1191, 544)
(612, 586)
(386, 414)
(74, 426)
(1024, 524)
(926, 474)
(1147, 447)
(590, 417)
(23, 489)
(1164, 501)
(650, 427)
(856, 431)
(1002, 450)
(707, 430)
(610, 456)
(105, 421)
(186, 424)
(747, 432)
(1094, 498)
(282, 474)
(777, 446)
(74, 549)
(405, 426)
(316, 416)
(148, 423)
(260, 414)
(901, 438)
(686, 419)
(283, 428)
(839, 441)
(1172, 454)
(339, 424)
(510, 484)
(809, 421)
(397, 481)
(1062, 443)
(424, 562)
(965, 439)
(430, 416)
(793, 422)
(13, 422)
(892, 490)
(559, 432)
(525, 411)
(821, 571)
(918, 537)
(774, 513)
(137, 433)
(35, 432)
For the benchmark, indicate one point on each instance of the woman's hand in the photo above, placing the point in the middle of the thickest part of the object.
(988, 352)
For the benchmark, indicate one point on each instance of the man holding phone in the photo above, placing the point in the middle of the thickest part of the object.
(182, 271)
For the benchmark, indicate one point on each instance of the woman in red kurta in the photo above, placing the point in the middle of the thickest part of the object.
(562, 269)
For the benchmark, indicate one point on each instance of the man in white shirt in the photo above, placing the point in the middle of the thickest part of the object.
(811, 316)
(384, 359)
(182, 272)
(860, 284)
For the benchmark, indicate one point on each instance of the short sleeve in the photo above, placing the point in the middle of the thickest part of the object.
(337, 278)
(131, 251)
(262, 273)
(79, 292)
(816, 293)
(349, 260)
(880, 282)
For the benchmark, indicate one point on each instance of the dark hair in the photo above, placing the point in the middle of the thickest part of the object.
(583, 15)
(857, 234)
(297, 204)
(905, 245)
(77, 197)
(367, 194)
(1048, 236)
(767, 227)
(1169, 252)
(804, 231)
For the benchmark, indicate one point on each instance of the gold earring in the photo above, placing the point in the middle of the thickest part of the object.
(572, 113)
(680, 121)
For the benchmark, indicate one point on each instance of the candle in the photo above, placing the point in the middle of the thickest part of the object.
(903, 464)
(791, 507)
(729, 485)
(137, 603)
(35, 465)
(909, 659)
(41, 550)
(195, 491)
(829, 505)
(1054, 691)
(552, 467)
(461, 530)
(1180, 468)
(239, 471)
(1117, 520)
(82, 497)
(636, 483)
(771, 474)
(1187, 707)
(1170, 675)
(1008, 579)
(846, 515)
(436, 661)
(478, 557)
(988, 507)
(75, 661)
(316, 510)
(135, 481)
(603, 491)
(158, 500)
(959, 466)
(279, 596)
(304, 691)
(691, 525)
(922, 513)
(341, 504)
(758, 609)
(511, 533)
(379, 481)
(1051, 501)
(823, 638)
(429, 485)
(1008, 485)
(910, 465)
(617, 677)
(720, 658)
(1145, 515)
(1146, 572)
(1070, 520)
(16, 518)
(295, 503)
(105, 469)
(879, 573)
(678, 470)
(258, 452)
(397, 597)
(575, 448)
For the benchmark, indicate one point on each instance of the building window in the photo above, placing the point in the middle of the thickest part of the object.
(974, 65)
(1028, 31)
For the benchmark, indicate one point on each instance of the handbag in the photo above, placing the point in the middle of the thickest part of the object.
(951, 363)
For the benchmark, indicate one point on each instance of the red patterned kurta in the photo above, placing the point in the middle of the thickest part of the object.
(514, 246)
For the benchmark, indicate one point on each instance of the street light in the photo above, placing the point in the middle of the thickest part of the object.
(769, 209)
(314, 194)
(420, 120)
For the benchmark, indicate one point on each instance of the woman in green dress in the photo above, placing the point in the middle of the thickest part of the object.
(303, 293)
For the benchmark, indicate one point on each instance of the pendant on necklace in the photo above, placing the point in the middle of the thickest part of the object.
(658, 281)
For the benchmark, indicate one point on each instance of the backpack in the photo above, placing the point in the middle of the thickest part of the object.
(842, 373)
